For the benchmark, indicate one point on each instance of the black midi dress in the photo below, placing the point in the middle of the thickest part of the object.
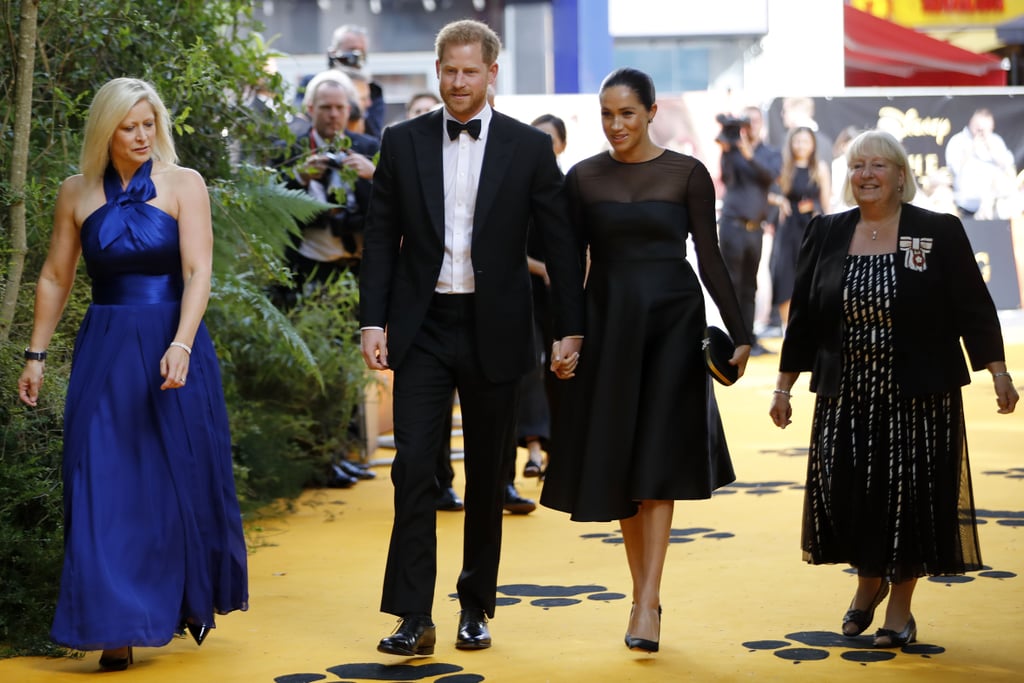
(640, 421)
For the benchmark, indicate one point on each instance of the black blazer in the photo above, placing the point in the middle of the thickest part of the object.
(935, 307)
(404, 241)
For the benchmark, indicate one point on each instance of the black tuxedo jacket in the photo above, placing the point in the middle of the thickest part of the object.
(940, 299)
(404, 241)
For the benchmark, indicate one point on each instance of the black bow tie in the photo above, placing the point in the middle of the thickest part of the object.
(472, 127)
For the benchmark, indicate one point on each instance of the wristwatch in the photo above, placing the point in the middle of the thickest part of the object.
(35, 355)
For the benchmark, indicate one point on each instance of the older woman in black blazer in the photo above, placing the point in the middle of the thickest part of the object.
(884, 294)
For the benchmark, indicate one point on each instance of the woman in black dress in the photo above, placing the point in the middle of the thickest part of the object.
(884, 294)
(638, 427)
(806, 187)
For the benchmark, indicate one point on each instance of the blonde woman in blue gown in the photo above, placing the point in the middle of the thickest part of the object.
(153, 534)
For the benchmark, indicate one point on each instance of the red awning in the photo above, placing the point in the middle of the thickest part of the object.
(879, 52)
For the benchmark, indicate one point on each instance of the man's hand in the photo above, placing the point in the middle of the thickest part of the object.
(375, 349)
(360, 164)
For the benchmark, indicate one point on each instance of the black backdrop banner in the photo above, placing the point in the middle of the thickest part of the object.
(924, 123)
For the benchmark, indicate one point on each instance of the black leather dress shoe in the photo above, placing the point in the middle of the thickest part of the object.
(356, 470)
(414, 636)
(473, 633)
(516, 504)
(449, 500)
(338, 479)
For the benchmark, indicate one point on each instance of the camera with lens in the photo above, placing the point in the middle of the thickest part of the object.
(351, 58)
(334, 158)
(731, 127)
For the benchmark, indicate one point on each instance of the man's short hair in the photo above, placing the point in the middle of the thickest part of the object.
(334, 77)
(469, 32)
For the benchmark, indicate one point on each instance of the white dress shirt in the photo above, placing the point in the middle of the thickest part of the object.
(463, 158)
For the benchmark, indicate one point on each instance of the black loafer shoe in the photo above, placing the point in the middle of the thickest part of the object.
(356, 470)
(473, 633)
(449, 500)
(414, 636)
(516, 504)
(338, 479)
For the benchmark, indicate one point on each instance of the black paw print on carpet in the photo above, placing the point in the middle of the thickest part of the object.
(791, 452)
(819, 645)
(449, 673)
(675, 535)
(758, 488)
(550, 596)
(1009, 473)
(985, 573)
(1001, 517)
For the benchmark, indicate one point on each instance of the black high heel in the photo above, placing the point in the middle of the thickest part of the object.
(641, 643)
(198, 631)
(533, 468)
(907, 635)
(117, 663)
(862, 618)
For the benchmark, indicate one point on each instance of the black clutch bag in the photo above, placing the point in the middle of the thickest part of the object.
(718, 350)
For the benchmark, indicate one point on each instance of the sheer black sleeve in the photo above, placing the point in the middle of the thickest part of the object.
(700, 202)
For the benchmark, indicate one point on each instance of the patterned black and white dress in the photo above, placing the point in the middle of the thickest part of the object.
(888, 482)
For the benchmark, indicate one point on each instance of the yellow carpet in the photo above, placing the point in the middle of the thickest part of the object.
(739, 604)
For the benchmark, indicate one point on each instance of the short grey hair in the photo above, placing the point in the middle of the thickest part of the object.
(334, 77)
(878, 143)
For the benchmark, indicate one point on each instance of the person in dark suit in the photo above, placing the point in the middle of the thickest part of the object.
(445, 302)
(749, 168)
(884, 294)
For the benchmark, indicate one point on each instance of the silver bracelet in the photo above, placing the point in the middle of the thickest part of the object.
(1002, 374)
(182, 345)
(784, 392)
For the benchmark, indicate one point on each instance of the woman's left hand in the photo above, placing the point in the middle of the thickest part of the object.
(174, 368)
(1006, 393)
(740, 357)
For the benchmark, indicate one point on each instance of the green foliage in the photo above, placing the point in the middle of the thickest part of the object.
(31, 524)
(291, 378)
(292, 382)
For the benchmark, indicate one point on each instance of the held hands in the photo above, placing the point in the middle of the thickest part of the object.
(375, 349)
(565, 356)
(174, 367)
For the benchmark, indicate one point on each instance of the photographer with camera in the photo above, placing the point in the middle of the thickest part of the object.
(347, 53)
(333, 165)
(749, 167)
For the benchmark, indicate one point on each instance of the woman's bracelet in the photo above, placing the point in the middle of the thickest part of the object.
(1002, 374)
(784, 392)
(183, 346)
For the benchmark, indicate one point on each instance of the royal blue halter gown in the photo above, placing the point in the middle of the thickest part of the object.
(153, 533)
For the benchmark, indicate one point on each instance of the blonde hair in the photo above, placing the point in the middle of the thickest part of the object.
(110, 105)
(469, 32)
(878, 143)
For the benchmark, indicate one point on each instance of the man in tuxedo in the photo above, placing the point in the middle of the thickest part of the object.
(445, 302)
